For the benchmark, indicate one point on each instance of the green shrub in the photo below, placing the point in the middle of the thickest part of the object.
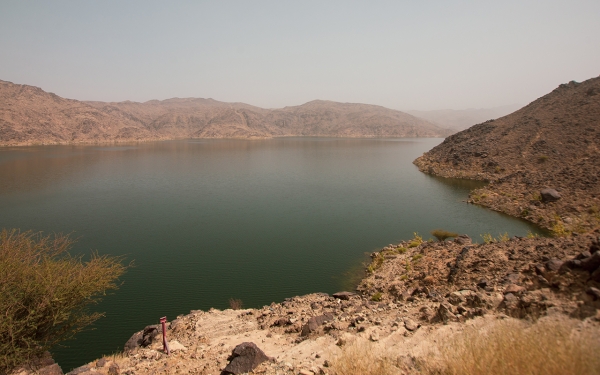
(45, 293)
(442, 235)
(376, 297)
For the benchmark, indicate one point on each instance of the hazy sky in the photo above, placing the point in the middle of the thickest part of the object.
(399, 54)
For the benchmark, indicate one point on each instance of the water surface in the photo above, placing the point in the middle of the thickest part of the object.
(209, 220)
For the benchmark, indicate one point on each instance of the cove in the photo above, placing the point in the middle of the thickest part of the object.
(209, 220)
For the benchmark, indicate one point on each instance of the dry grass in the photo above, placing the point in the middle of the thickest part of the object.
(514, 347)
(235, 304)
(362, 358)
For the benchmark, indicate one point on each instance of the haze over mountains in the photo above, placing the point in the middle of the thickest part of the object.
(465, 118)
(29, 115)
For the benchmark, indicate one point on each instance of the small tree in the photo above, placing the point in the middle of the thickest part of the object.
(442, 235)
(45, 293)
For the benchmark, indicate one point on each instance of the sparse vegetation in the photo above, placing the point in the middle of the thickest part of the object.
(488, 238)
(416, 257)
(514, 347)
(376, 297)
(45, 292)
(530, 234)
(416, 241)
(235, 304)
(442, 234)
(542, 158)
(504, 237)
(362, 358)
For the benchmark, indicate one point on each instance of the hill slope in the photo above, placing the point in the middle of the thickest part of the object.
(550, 143)
(29, 115)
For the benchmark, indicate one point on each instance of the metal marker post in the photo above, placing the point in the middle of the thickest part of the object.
(163, 321)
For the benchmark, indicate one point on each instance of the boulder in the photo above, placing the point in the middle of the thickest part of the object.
(314, 323)
(445, 314)
(514, 289)
(343, 295)
(411, 325)
(463, 239)
(554, 264)
(53, 369)
(591, 263)
(244, 358)
(549, 195)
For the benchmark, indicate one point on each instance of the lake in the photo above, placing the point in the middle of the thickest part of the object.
(209, 220)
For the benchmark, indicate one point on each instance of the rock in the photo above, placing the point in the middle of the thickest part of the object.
(306, 372)
(483, 283)
(343, 295)
(175, 345)
(512, 278)
(113, 369)
(459, 297)
(314, 323)
(244, 358)
(554, 264)
(514, 289)
(411, 325)
(53, 369)
(595, 292)
(281, 322)
(374, 336)
(549, 195)
(445, 314)
(101, 362)
(511, 302)
(135, 341)
(79, 370)
(591, 263)
(463, 239)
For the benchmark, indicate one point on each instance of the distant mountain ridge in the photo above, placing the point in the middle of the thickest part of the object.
(464, 118)
(30, 115)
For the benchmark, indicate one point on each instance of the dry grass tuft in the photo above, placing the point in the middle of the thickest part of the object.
(514, 347)
(235, 304)
(362, 358)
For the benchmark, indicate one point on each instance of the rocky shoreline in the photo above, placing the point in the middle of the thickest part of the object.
(415, 294)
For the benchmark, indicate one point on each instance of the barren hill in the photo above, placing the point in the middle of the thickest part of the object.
(550, 143)
(29, 115)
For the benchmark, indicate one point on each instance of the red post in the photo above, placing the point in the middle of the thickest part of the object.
(163, 322)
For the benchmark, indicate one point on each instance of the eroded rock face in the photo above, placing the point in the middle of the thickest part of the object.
(245, 358)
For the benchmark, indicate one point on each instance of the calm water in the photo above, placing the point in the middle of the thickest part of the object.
(209, 220)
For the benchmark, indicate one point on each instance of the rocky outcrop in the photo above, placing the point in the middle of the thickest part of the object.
(549, 145)
(404, 303)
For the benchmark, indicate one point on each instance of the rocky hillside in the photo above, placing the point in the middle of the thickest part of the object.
(29, 115)
(551, 144)
(415, 295)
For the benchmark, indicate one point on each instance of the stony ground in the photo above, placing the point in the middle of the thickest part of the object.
(416, 294)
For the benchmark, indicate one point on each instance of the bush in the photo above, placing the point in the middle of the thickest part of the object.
(45, 293)
(442, 235)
